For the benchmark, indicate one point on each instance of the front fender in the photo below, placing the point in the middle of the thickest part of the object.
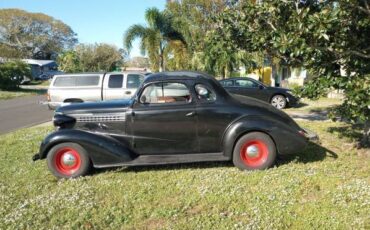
(286, 138)
(102, 149)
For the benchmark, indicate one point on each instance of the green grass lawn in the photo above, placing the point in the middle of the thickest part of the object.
(4, 95)
(326, 187)
(320, 105)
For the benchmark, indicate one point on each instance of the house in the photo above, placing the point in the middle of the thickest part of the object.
(286, 76)
(39, 67)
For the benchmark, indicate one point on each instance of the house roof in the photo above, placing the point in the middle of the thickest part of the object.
(39, 62)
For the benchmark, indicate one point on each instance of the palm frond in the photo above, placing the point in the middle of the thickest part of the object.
(135, 31)
(154, 18)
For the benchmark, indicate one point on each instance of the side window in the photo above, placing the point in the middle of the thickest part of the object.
(134, 80)
(64, 81)
(204, 93)
(246, 84)
(115, 81)
(87, 80)
(159, 93)
(227, 83)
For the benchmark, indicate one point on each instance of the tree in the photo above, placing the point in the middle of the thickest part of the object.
(68, 62)
(328, 38)
(154, 38)
(26, 35)
(139, 62)
(12, 73)
(193, 18)
(91, 58)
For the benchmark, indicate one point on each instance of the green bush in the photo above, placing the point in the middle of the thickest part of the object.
(296, 89)
(12, 73)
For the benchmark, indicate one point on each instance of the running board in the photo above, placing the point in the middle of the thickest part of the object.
(170, 159)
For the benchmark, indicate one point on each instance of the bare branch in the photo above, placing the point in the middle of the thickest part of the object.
(357, 53)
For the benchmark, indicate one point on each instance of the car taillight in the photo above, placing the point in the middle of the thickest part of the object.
(303, 133)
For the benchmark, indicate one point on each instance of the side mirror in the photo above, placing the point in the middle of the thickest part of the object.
(143, 99)
(261, 87)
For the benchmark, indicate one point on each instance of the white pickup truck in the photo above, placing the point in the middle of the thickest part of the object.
(84, 87)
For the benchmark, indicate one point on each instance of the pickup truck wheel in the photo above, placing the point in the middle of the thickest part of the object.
(254, 151)
(68, 160)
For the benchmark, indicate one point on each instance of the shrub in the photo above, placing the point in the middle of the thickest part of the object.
(12, 73)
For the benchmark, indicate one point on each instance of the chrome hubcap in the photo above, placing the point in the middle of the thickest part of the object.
(68, 159)
(252, 151)
(278, 102)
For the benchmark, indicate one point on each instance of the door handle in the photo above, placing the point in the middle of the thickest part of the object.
(190, 114)
(128, 92)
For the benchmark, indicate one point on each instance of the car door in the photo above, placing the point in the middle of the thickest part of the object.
(251, 88)
(113, 87)
(163, 120)
(132, 83)
(229, 86)
(213, 118)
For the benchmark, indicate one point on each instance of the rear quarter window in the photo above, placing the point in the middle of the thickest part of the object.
(76, 81)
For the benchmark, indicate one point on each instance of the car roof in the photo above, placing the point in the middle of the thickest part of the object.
(178, 75)
(188, 75)
(100, 73)
(238, 78)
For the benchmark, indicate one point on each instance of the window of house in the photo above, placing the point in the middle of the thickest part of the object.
(169, 92)
(115, 81)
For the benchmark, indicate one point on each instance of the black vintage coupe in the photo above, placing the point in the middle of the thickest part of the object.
(175, 117)
(277, 97)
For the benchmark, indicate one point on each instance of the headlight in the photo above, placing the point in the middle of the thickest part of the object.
(289, 92)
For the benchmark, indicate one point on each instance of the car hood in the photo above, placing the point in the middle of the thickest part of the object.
(278, 89)
(95, 107)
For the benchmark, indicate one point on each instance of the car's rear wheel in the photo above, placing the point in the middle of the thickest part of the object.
(68, 160)
(254, 151)
(279, 101)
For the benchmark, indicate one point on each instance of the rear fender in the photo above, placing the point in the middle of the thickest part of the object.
(101, 149)
(286, 138)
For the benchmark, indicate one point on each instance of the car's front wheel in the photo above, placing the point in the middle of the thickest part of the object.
(254, 151)
(68, 160)
(279, 101)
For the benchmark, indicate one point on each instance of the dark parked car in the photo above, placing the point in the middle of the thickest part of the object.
(278, 97)
(175, 117)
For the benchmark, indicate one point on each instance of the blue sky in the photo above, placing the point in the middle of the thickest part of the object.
(93, 20)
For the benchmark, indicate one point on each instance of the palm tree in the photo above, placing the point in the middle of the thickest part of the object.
(155, 37)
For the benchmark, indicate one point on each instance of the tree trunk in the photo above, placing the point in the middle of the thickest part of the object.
(161, 58)
(365, 141)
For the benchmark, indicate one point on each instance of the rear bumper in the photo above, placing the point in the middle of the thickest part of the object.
(311, 136)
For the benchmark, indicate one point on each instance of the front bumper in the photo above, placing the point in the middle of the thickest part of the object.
(292, 101)
(36, 157)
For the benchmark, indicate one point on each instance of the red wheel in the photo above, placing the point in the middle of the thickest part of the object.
(254, 150)
(254, 153)
(68, 160)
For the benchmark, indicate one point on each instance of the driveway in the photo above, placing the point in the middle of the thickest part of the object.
(23, 112)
